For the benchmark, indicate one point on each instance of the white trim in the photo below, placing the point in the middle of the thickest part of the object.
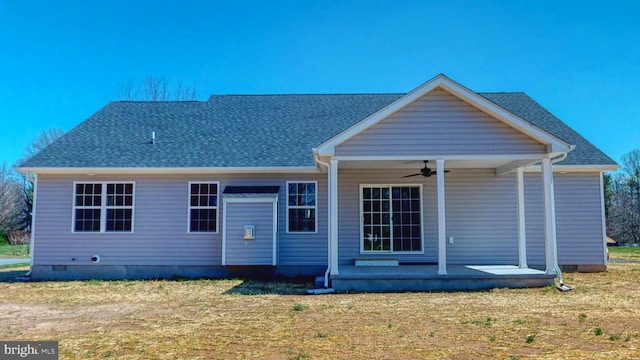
(315, 207)
(522, 223)
(275, 253)
(273, 199)
(33, 217)
(439, 156)
(103, 207)
(443, 82)
(189, 207)
(514, 165)
(548, 197)
(168, 171)
(604, 222)
(333, 213)
(361, 222)
(574, 168)
(442, 231)
(224, 232)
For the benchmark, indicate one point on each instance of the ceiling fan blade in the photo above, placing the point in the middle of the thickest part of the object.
(435, 172)
(406, 176)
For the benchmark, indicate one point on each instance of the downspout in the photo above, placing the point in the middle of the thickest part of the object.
(34, 178)
(562, 286)
(325, 164)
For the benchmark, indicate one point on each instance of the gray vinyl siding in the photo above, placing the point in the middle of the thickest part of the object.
(160, 224)
(258, 251)
(578, 218)
(481, 211)
(481, 216)
(439, 123)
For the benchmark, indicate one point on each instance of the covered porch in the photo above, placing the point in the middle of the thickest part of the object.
(475, 214)
(500, 226)
(427, 278)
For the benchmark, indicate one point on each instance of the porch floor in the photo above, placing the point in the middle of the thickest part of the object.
(426, 278)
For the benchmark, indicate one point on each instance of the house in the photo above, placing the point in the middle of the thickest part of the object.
(438, 188)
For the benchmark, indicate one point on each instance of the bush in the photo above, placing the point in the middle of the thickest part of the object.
(3, 240)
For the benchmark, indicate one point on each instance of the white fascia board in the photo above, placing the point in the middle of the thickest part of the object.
(574, 168)
(465, 94)
(170, 171)
(440, 156)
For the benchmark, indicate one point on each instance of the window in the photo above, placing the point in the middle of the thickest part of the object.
(391, 218)
(301, 207)
(203, 207)
(103, 207)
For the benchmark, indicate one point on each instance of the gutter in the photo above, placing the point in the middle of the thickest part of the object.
(562, 287)
(316, 157)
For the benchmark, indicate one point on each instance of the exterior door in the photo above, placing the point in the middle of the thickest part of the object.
(249, 235)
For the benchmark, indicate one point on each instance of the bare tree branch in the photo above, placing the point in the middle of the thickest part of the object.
(23, 204)
(128, 91)
(10, 196)
(44, 139)
(156, 88)
(184, 92)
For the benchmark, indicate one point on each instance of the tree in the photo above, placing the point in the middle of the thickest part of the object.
(44, 139)
(623, 206)
(24, 204)
(10, 198)
(155, 88)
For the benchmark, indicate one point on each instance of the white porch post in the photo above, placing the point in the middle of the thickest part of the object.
(550, 245)
(442, 231)
(333, 210)
(522, 234)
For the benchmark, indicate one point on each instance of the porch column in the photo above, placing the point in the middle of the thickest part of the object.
(550, 245)
(442, 231)
(522, 234)
(333, 211)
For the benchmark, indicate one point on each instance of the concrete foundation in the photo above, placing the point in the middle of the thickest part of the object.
(132, 272)
(426, 278)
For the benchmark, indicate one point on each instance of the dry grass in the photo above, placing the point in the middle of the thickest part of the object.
(233, 319)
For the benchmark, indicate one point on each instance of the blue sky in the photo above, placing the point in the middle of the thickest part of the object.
(61, 61)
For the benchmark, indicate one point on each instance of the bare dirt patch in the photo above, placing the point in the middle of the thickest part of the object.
(235, 319)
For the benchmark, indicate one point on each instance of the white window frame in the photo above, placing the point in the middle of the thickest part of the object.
(217, 207)
(103, 207)
(315, 207)
(361, 222)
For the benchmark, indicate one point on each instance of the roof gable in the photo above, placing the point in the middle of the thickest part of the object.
(452, 87)
(439, 124)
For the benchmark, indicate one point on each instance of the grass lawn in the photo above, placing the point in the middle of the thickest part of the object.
(624, 252)
(236, 319)
(7, 250)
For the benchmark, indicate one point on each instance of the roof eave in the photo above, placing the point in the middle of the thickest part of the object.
(167, 170)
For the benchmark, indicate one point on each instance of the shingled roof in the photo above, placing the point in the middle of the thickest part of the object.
(248, 131)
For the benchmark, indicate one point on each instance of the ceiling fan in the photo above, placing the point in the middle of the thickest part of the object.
(425, 171)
